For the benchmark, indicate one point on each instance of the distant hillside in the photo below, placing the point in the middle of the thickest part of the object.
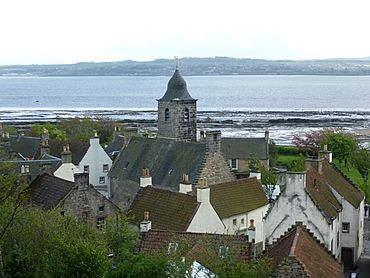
(198, 66)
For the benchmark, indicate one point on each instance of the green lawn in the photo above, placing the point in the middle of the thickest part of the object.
(284, 159)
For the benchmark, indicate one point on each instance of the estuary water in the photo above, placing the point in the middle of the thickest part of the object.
(238, 105)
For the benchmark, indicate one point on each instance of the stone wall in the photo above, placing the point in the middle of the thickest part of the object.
(290, 267)
(177, 125)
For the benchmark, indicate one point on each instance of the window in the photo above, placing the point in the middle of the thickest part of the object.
(25, 169)
(86, 168)
(101, 180)
(186, 115)
(234, 222)
(223, 251)
(345, 227)
(105, 168)
(331, 246)
(100, 223)
(337, 239)
(166, 114)
(242, 221)
(101, 208)
(234, 164)
(172, 247)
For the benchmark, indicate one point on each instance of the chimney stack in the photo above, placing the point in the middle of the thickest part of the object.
(314, 162)
(145, 179)
(66, 154)
(185, 185)
(213, 141)
(202, 137)
(146, 224)
(327, 155)
(45, 149)
(82, 181)
(267, 135)
(203, 191)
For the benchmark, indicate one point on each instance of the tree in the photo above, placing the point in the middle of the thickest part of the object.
(268, 180)
(361, 161)
(273, 154)
(311, 140)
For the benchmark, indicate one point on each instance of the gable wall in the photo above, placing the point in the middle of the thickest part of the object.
(215, 169)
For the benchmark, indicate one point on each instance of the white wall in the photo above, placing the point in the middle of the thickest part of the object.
(95, 158)
(66, 171)
(294, 205)
(205, 220)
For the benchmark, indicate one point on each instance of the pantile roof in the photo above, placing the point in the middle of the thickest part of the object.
(176, 89)
(244, 148)
(321, 195)
(166, 159)
(342, 185)
(168, 210)
(47, 191)
(300, 244)
(237, 197)
(194, 245)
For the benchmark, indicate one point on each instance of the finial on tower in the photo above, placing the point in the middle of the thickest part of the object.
(177, 62)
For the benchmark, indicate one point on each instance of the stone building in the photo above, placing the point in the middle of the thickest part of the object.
(177, 111)
(167, 160)
(78, 198)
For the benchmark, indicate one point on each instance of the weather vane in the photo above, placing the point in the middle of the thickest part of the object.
(177, 61)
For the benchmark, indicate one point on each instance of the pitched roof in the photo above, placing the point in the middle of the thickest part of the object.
(168, 210)
(300, 244)
(237, 197)
(321, 195)
(176, 89)
(244, 148)
(166, 159)
(342, 185)
(78, 149)
(116, 145)
(47, 191)
(194, 245)
(28, 147)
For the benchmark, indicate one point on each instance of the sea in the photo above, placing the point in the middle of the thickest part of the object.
(239, 106)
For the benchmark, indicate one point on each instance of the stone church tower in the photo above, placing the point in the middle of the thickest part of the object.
(177, 111)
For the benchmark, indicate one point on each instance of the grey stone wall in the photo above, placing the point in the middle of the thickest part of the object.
(123, 192)
(290, 267)
(87, 205)
(178, 126)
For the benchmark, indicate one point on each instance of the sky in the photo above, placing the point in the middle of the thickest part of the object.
(70, 31)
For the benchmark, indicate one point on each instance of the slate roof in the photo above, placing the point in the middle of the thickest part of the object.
(244, 148)
(78, 149)
(321, 195)
(47, 191)
(168, 210)
(166, 159)
(300, 244)
(342, 185)
(116, 145)
(237, 197)
(194, 245)
(28, 147)
(176, 89)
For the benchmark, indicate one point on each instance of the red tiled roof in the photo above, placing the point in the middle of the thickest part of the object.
(315, 259)
(194, 245)
(321, 195)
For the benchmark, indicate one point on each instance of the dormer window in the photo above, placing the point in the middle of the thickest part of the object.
(166, 114)
(186, 115)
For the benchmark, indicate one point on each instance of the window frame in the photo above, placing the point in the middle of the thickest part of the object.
(344, 230)
(102, 180)
(86, 169)
(101, 223)
(236, 164)
(105, 168)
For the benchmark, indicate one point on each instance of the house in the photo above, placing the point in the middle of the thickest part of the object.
(204, 250)
(352, 201)
(309, 200)
(241, 204)
(238, 152)
(298, 253)
(97, 164)
(167, 160)
(67, 170)
(175, 211)
(78, 198)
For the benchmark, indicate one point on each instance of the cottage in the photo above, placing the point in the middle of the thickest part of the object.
(78, 198)
(298, 253)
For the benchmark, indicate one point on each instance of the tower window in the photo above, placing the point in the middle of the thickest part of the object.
(186, 115)
(166, 114)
